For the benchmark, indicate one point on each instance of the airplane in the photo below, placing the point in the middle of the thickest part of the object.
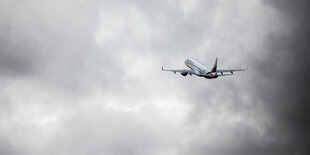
(200, 70)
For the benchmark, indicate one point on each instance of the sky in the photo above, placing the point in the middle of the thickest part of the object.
(84, 77)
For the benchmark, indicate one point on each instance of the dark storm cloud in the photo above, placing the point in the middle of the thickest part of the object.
(286, 66)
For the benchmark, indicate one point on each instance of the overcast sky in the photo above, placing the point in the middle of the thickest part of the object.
(84, 77)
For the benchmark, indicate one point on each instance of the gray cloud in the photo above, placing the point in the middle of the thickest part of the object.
(289, 52)
(84, 77)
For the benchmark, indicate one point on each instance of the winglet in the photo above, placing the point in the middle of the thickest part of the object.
(162, 68)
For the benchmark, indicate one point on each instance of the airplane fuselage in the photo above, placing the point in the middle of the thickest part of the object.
(200, 69)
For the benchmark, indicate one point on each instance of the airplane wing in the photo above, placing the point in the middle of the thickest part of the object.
(224, 74)
(229, 70)
(188, 71)
(215, 70)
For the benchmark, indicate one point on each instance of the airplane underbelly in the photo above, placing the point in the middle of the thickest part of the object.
(210, 76)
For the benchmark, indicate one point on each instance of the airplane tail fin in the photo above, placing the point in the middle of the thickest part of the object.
(215, 66)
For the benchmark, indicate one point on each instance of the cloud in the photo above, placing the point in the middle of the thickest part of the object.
(84, 77)
(289, 52)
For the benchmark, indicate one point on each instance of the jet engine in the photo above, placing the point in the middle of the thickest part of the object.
(184, 74)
